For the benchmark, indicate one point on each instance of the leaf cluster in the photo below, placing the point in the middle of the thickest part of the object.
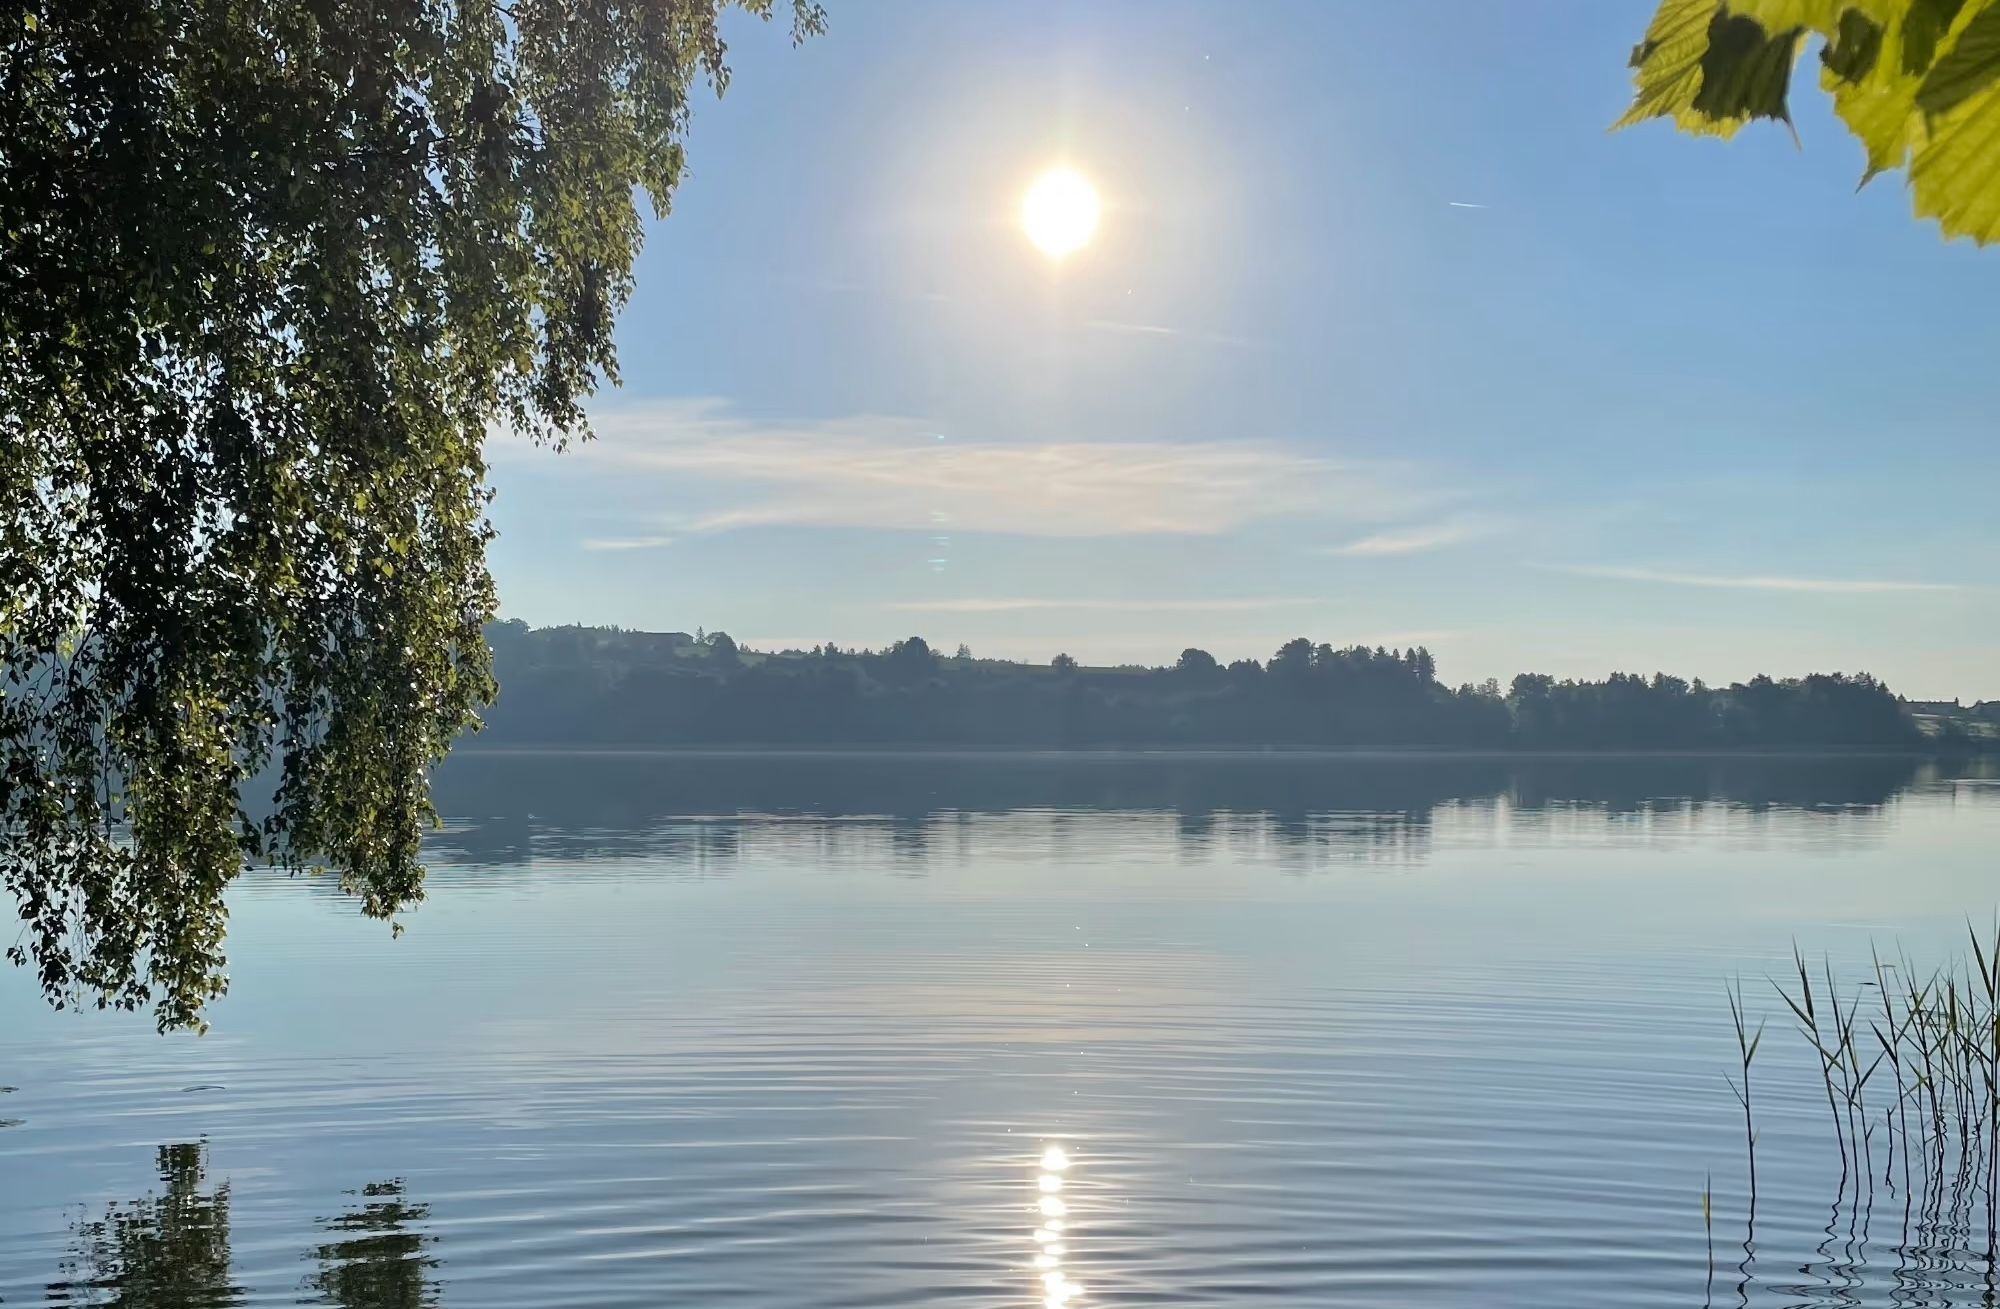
(270, 271)
(1916, 81)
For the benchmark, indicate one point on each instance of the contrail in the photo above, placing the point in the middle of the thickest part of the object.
(1462, 204)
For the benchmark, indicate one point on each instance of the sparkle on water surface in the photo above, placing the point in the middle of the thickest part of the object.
(871, 1030)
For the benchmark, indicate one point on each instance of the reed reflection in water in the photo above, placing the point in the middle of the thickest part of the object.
(1907, 1059)
(801, 1033)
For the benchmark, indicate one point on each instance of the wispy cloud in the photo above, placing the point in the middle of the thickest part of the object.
(1010, 604)
(1415, 539)
(1754, 582)
(724, 471)
(1131, 329)
(1160, 329)
(626, 542)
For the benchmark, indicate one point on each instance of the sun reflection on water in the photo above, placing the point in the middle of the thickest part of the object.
(1051, 1242)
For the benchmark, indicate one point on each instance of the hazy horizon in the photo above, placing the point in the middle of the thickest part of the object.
(1377, 351)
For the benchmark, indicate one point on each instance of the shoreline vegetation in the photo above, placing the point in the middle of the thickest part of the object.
(1908, 1063)
(1220, 750)
(588, 689)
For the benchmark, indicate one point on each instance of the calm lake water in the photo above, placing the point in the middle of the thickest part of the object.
(801, 1031)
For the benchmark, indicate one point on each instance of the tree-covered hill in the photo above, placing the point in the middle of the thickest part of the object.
(588, 686)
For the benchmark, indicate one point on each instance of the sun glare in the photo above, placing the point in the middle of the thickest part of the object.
(1059, 212)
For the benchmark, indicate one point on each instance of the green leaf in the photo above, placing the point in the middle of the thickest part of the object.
(1915, 81)
(1866, 69)
(1783, 15)
(1746, 71)
(1667, 64)
(1924, 28)
(1968, 67)
(285, 573)
(1711, 68)
(1855, 49)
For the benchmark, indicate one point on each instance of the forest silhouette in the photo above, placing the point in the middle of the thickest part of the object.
(600, 686)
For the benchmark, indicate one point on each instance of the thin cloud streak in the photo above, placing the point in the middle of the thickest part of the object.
(890, 473)
(626, 542)
(1160, 329)
(1802, 585)
(1132, 329)
(1411, 540)
(1005, 605)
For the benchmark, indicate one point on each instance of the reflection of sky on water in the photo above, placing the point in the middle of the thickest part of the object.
(799, 1049)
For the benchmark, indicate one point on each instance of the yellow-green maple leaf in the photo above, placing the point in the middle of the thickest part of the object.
(1667, 64)
(1710, 69)
(1916, 81)
(1955, 171)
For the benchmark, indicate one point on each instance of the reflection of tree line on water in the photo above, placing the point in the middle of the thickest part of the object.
(171, 1249)
(507, 807)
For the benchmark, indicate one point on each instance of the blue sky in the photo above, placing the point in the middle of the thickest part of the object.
(1657, 402)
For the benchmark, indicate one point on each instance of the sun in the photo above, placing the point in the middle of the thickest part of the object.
(1059, 212)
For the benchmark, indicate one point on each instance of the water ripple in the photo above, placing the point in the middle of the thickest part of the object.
(1459, 1048)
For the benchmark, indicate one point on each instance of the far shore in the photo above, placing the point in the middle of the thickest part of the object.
(473, 747)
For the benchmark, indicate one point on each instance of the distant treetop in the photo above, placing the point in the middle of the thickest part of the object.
(600, 687)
